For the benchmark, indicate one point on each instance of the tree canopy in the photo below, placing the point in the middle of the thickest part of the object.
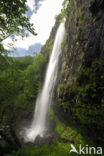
(13, 19)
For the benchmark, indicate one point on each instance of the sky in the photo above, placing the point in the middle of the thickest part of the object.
(42, 14)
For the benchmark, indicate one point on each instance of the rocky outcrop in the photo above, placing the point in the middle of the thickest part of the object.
(96, 5)
(47, 48)
(80, 92)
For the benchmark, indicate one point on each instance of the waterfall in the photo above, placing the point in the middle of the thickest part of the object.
(44, 99)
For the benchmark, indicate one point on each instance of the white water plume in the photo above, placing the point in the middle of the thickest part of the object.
(44, 99)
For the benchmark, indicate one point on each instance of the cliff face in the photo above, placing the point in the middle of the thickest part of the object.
(80, 92)
(47, 48)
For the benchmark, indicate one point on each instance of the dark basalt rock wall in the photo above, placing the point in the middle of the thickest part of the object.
(96, 5)
(80, 93)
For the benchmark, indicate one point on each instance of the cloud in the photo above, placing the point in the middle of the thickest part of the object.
(37, 5)
(43, 19)
(30, 51)
(30, 4)
(33, 6)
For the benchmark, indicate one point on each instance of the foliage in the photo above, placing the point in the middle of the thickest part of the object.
(13, 21)
(20, 83)
(83, 98)
(21, 80)
(13, 18)
(56, 147)
(90, 105)
(47, 48)
(23, 62)
(33, 77)
(63, 11)
(80, 93)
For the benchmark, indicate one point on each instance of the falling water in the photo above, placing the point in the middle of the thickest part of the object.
(44, 99)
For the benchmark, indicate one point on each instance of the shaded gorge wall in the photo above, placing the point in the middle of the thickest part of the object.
(80, 92)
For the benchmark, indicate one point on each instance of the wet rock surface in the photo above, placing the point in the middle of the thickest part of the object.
(40, 141)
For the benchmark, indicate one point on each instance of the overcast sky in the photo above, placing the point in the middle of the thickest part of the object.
(42, 13)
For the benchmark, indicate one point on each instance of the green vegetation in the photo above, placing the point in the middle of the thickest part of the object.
(20, 83)
(63, 11)
(84, 98)
(59, 146)
(80, 92)
(13, 18)
(79, 113)
(13, 21)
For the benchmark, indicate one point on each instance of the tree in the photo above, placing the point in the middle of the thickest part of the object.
(20, 82)
(13, 20)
